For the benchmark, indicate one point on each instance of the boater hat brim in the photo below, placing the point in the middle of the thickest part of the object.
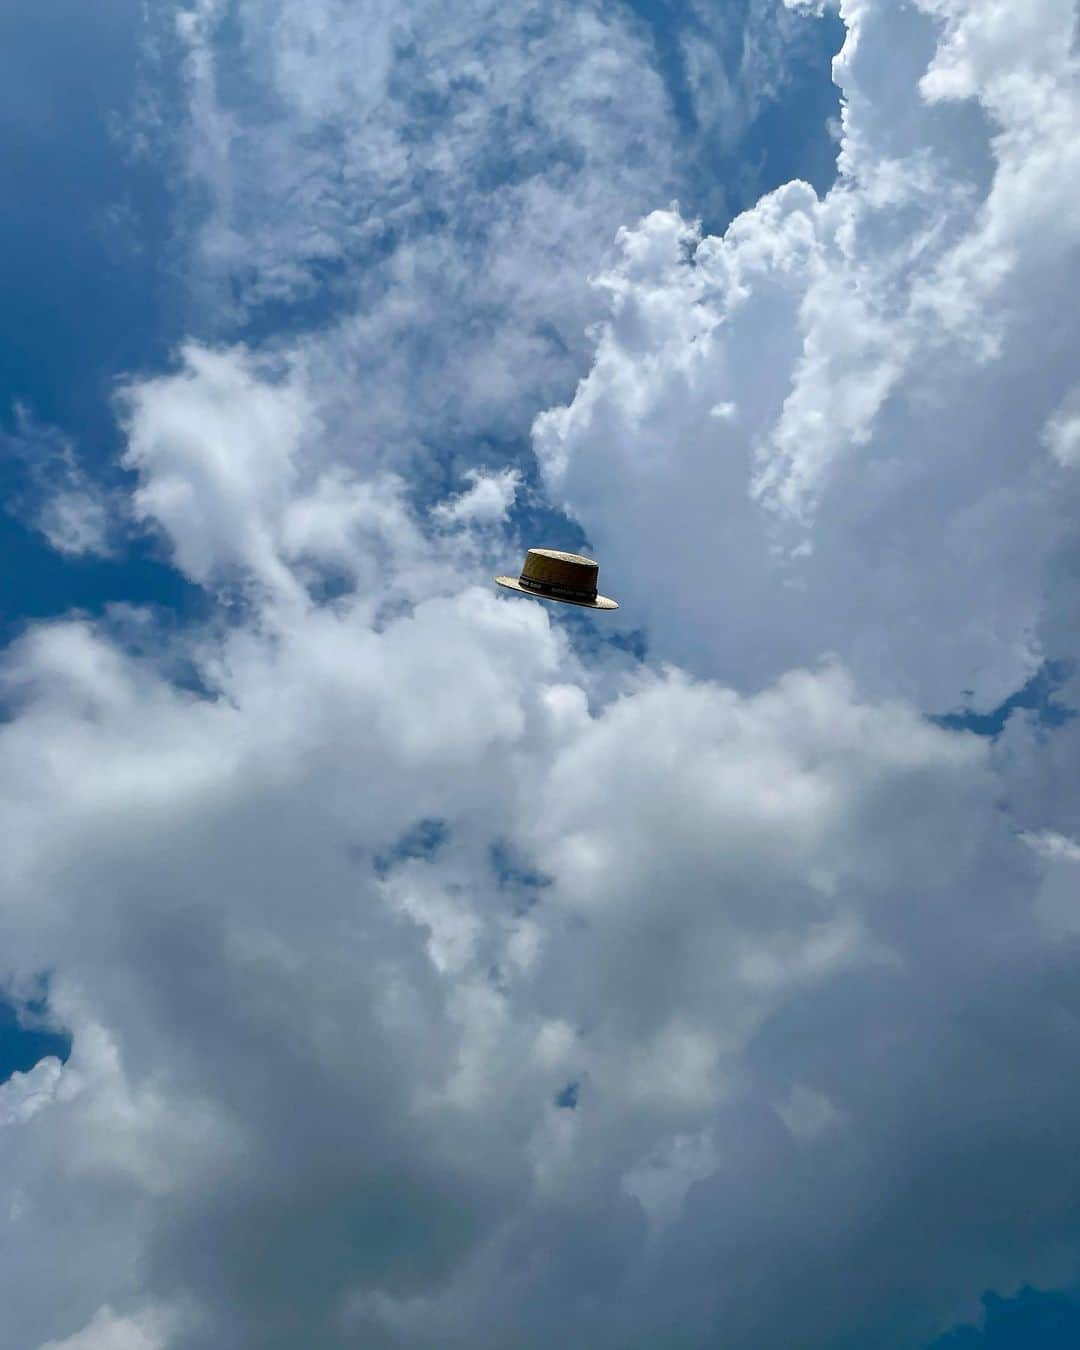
(601, 601)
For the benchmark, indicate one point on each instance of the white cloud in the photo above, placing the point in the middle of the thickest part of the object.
(660, 1182)
(109, 1332)
(75, 522)
(485, 503)
(1054, 846)
(1061, 435)
(293, 1041)
(808, 1114)
(875, 348)
(23, 1095)
(234, 473)
(1058, 900)
(216, 446)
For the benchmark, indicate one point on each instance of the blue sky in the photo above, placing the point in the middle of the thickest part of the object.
(22, 1043)
(86, 263)
(561, 951)
(1032, 1318)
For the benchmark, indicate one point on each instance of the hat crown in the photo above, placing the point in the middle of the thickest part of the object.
(564, 569)
(554, 575)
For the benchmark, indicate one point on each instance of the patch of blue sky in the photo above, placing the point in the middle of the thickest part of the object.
(85, 250)
(523, 883)
(789, 137)
(26, 1037)
(85, 223)
(1032, 1320)
(567, 1099)
(421, 840)
(1037, 696)
(36, 582)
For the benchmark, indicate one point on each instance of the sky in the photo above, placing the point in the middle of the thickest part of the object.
(392, 961)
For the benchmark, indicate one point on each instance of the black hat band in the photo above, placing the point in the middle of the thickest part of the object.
(551, 588)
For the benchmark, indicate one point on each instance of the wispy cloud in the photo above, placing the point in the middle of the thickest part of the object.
(58, 497)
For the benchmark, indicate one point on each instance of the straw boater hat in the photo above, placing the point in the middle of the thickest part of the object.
(550, 575)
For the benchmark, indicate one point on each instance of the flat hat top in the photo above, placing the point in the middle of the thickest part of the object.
(557, 556)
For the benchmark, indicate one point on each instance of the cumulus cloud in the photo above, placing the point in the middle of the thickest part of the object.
(24, 1094)
(873, 486)
(301, 1042)
(435, 980)
(487, 501)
